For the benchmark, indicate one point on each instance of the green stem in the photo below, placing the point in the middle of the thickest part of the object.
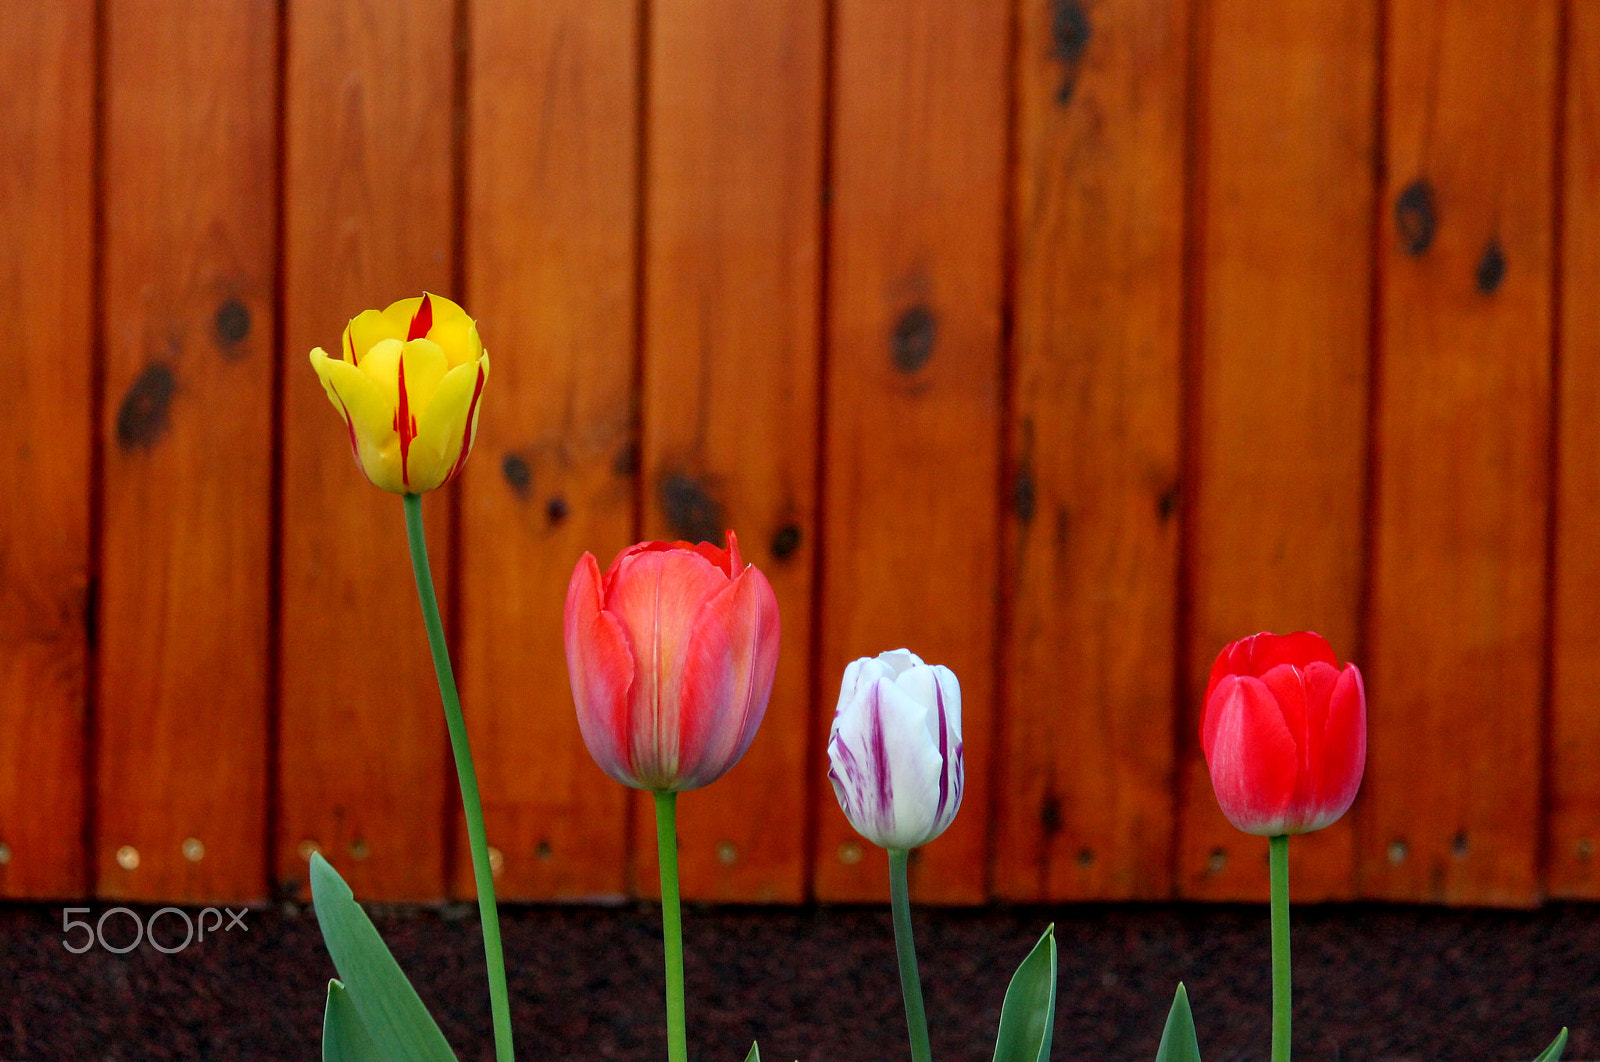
(1279, 860)
(910, 983)
(499, 1005)
(671, 922)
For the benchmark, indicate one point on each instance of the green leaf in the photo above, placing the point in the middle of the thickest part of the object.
(1553, 1052)
(389, 1009)
(1028, 1015)
(1178, 1043)
(755, 1053)
(344, 1038)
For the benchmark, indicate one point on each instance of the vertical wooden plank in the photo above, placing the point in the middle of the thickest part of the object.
(190, 234)
(730, 379)
(46, 211)
(1085, 800)
(1574, 826)
(910, 514)
(1286, 148)
(1458, 599)
(551, 266)
(369, 141)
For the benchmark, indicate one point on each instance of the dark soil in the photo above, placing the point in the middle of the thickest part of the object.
(1372, 983)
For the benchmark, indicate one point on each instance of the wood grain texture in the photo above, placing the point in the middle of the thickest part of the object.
(550, 274)
(190, 225)
(46, 438)
(1085, 800)
(1458, 601)
(1279, 436)
(369, 220)
(913, 394)
(1574, 742)
(730, 386)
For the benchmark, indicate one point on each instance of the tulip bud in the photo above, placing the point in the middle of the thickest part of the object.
(407, 387)
(1284, 732)
(671, 654)
(894, 752)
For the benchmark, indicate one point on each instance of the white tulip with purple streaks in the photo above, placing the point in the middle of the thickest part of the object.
(894, 753)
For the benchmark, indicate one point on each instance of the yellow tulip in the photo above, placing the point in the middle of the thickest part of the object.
(408, 388)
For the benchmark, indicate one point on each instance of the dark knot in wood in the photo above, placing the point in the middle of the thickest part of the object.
(1415, 216)
(911, 344)
(143, 416)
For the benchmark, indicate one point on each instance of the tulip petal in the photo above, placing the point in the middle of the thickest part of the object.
(421, 321)
(370, 412)
(953, 778)
(366, 330)
(1251, 756)
(1260, 653)
(1288, 686)
(727, 676)
(656, 596)
(442, 428)
(425, 367)
(1319, 680)
(1345, 746)
(937, 686)
(884, 766)
(398, 315)
(469, 429)
(601, 669)
(454, 331)
(897, 662)
(321, 364)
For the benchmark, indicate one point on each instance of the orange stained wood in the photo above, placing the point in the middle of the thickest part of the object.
(1283, 199)
(369, 210)
(1060, 342)
(1085, 797)
(46, 439)
(1574, 741)
(1451, 810)
(913, 393)
(550, 241)
(732, 214)
(181, 719)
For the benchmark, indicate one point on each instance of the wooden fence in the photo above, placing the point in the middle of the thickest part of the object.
(1061, 342)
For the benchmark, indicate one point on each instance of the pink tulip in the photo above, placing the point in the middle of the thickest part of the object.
(1284, 732)
(671, 655)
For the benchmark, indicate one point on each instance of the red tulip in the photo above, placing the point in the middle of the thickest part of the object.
(1284, 732)
(671, 655)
